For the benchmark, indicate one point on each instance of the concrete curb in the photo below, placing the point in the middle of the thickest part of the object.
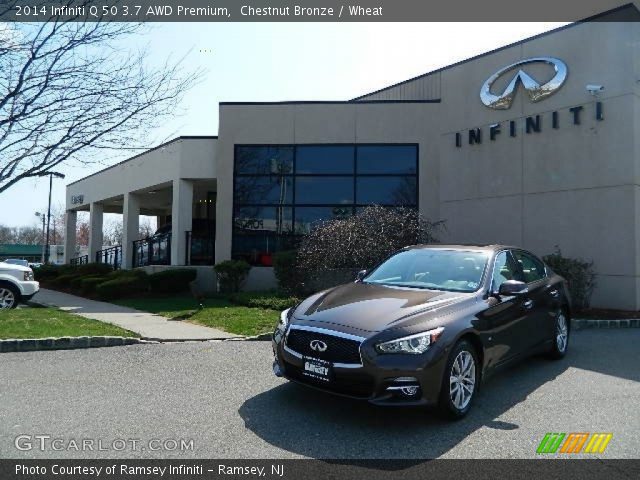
(580, 324)
(64, 343)
(263, 337)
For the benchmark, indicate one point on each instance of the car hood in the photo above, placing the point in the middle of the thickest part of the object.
(12, 267)
(372, 308)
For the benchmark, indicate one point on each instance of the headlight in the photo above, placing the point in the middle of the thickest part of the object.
(28, 276)
(284, 320)
(416, 344)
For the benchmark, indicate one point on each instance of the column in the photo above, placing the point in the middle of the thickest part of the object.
(130, 228)
(181, 217)
(95, 229)
(71, 218)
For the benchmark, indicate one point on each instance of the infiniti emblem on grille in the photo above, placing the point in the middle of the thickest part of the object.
(318, 345)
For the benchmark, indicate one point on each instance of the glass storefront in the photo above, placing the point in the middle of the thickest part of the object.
(282, 191)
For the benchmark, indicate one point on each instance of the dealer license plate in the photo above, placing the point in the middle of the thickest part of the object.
(317, 369)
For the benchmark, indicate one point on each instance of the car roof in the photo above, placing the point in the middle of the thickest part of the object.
(467, 247)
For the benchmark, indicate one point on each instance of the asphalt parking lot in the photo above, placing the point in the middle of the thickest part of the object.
(224, 397)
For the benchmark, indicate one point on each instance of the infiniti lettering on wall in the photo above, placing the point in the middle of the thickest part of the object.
(536, 92)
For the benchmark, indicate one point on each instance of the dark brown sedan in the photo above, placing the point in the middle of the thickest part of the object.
(426, 326)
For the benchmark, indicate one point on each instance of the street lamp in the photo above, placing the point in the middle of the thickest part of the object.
(43, 217)
(51, 175)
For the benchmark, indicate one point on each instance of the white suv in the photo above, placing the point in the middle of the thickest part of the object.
(16, 285)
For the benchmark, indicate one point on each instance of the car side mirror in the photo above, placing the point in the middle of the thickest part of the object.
(360, 275)
(513, 287)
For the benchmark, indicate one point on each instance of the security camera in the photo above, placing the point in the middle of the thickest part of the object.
(594, 89)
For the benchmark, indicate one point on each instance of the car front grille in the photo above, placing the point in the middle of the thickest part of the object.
(339, 349)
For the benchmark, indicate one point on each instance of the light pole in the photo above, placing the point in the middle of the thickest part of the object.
(51, 175)
(42, 216)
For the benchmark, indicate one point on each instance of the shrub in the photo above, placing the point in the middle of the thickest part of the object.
(76, 281)
(94, 269)
(174, 280)
(88, 285)
(289, 275)
(579, 275)
(46, 273)
(340, 247)
(122, 287)
(127, 274)
(63, 280)
(232, 275)
(266, 300)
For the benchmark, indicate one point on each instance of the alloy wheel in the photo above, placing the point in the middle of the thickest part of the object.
(7, 298)
(562, 333)
(462, 380)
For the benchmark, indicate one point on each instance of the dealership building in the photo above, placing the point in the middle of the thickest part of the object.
(534, 144)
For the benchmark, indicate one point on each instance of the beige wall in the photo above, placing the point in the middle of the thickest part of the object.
(575, 187)
(182, 158)
(323, 123)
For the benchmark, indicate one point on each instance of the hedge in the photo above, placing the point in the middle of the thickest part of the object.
(579, 274)
(289, 275)
(232, 275)
(121, 287)
(264, 300)
(172, 280)
(64, 280)
(94, 269)
(49, 272)
(136, 273)
(88, 285)
(76, 282)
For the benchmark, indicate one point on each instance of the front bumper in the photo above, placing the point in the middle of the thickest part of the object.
(379, 379)
(28, 289)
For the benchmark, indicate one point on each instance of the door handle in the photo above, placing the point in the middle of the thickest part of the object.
(528, 304)
(554, 293)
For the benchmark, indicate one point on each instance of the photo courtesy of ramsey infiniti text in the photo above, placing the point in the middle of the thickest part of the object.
(425, 326)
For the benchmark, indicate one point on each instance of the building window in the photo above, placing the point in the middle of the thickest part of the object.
(282, 191)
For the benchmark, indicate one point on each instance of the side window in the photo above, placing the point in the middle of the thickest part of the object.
(504, 269)
(532, 268)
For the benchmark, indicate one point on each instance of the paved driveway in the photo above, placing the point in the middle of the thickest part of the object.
(224, 397)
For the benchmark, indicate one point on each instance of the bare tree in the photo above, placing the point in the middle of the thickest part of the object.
(82, 233)
(29, 235)
(7, 234)
(146, 228)
(364, 239)
(69, 91)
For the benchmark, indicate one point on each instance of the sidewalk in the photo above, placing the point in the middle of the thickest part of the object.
(148, 325)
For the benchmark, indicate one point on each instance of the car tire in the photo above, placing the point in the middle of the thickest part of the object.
(455, 397)
(560, 340)
(9, 296)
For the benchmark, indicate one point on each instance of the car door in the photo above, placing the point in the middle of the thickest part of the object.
(503, 322)
(540, 298)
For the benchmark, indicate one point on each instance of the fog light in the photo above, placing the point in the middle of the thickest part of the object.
(410, 391)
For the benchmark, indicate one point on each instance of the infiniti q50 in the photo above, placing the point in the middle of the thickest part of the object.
(426, 326)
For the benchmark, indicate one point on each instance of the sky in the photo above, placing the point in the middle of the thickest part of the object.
(282, 61)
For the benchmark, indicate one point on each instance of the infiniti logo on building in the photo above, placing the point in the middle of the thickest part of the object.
(318, 345)
(535, 91)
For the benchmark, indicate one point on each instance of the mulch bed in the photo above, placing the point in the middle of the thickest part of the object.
(605, 314)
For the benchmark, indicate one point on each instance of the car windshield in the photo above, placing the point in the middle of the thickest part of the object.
(15, 261)
(431, 268)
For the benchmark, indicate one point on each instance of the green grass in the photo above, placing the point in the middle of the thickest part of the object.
(51, 322)
(217, 313)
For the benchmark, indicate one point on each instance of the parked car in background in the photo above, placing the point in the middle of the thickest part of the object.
(16, 285)
(426, 326)
(16, 261)
(35, 265)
